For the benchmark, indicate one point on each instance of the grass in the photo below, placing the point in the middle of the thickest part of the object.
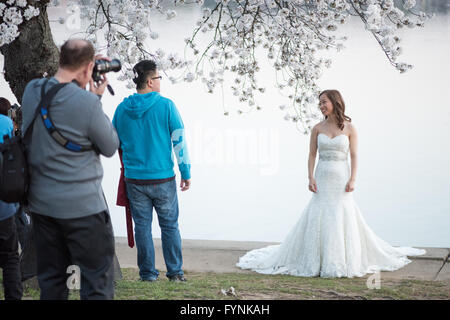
(256, 286)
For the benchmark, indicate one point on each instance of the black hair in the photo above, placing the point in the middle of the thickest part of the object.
(141, 71)
(4, 106)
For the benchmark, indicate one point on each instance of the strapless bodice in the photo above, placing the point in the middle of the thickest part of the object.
(333, 149)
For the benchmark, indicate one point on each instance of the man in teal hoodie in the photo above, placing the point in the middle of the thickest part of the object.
(148, 125)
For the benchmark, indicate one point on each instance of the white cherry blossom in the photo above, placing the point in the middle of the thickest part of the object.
(292, 34)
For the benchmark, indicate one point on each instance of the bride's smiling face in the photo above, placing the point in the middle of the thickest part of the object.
(325, 105)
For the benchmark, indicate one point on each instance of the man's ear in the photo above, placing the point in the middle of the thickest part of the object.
(89, 68)
(149, 82)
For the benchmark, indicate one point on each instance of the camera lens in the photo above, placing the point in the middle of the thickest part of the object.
(115, 65)
(103, 66)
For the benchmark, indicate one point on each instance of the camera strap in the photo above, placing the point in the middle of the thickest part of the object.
(51, 128)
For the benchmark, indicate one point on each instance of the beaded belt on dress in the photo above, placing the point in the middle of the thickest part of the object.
(333, 156)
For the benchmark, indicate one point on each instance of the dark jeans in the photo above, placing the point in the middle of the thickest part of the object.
(9, 259)
(87, 243)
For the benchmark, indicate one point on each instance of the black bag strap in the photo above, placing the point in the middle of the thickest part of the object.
(31, 125)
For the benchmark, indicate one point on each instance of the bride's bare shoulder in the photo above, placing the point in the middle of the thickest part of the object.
(350, 127)
(317, 127)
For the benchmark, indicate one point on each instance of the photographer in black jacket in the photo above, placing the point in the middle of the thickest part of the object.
(9, 254)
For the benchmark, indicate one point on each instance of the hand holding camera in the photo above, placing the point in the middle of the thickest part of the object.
(99, 82)
(98, 87)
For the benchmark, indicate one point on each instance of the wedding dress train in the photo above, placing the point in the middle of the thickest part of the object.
(331, 238)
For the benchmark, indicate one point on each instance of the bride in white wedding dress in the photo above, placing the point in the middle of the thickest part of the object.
(331, 238)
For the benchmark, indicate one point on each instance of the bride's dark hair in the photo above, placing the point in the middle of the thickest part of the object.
(338, 106)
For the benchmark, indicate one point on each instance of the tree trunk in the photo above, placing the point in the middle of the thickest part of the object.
(31, 54)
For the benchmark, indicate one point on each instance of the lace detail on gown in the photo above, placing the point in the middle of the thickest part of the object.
(331, 237)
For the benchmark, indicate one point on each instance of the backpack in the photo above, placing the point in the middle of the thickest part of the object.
(14, 175)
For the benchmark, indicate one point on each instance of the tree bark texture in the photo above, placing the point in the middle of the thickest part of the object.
(32, 54)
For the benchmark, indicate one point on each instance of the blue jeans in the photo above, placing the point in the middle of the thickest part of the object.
(163, 197)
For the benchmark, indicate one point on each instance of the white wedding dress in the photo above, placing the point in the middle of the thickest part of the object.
(331, 238)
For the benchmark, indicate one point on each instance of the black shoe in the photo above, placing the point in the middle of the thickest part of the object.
(177, 278)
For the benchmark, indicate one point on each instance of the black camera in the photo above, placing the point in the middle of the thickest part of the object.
(15, 113)
(104, 66)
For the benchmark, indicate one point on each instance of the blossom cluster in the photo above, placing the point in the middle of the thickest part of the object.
(125, 25)
(12, 14)
(290, 34)
(383, 18)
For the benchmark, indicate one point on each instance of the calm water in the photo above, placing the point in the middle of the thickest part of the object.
(249, 172)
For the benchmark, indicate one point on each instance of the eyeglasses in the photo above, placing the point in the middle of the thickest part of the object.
(159, 77)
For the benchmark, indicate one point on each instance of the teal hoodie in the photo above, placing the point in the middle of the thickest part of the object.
(148, 125)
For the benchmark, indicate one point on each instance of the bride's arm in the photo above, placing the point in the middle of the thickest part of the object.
(312, 159)
(353, 137)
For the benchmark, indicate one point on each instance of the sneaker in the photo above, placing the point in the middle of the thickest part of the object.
(177, 278)
(148, 280)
